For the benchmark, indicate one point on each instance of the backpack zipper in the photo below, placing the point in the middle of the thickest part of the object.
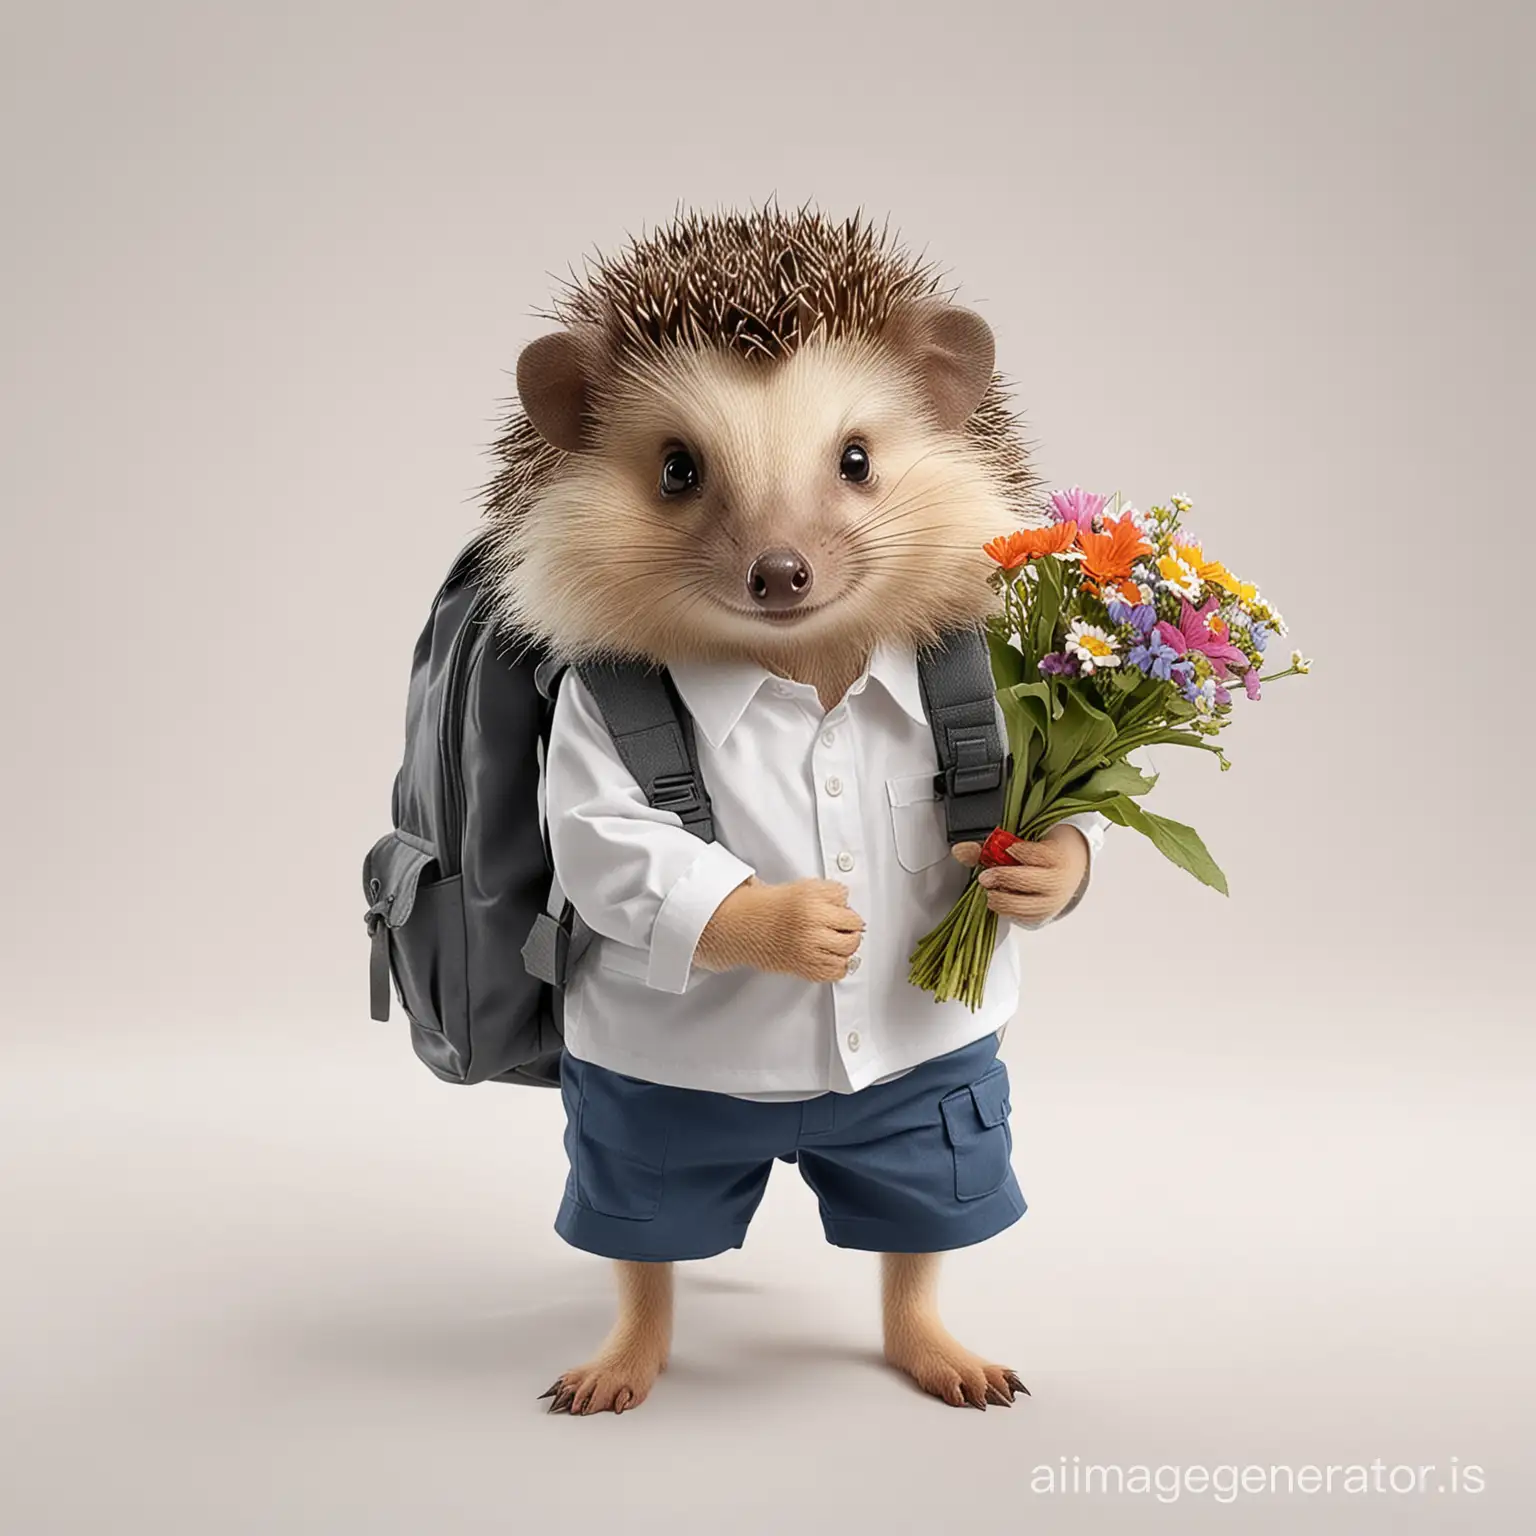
(450, 743)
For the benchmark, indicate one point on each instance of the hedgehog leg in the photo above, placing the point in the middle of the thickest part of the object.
(917, 1342)
(621, 1374)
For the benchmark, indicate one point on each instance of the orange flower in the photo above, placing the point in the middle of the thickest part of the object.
(1132, 593)
(1108, 556)
(1016, 549)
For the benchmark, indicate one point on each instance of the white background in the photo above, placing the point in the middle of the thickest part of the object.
(265, 270)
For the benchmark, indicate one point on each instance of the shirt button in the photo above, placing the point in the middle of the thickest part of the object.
(834, 785)
(853, 964)
(845, 861)
(828, 737)
(782, 689)
(853, 1039)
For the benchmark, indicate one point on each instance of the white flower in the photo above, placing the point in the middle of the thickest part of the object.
(1131, 592)
(1267, 615)
(1176, 575)
(1300, 662)
(1092, 646)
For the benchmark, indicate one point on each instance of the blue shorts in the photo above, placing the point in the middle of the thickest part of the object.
(916, 1165)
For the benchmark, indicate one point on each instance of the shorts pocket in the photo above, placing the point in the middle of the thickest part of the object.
(976, 1124)
(620, 1151)
(917, 822)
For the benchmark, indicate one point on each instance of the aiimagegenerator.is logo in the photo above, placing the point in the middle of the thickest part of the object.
(1225, 1484)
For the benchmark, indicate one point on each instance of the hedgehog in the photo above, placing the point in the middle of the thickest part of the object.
(740, 386)
(763, 444)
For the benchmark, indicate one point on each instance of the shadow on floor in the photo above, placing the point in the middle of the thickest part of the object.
(413, 1338)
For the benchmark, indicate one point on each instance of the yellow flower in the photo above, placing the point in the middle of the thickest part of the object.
(1214, 570)
(1181, 577)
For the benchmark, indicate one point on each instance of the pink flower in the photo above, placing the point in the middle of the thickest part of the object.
(1077, 506)
(1195, 633)
(1251, 682)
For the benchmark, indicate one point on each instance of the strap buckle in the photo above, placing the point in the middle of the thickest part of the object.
(676, 792)
(973, 769)
(554, 945)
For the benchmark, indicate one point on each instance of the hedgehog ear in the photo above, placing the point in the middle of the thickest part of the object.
(554, 383)
(953, 352)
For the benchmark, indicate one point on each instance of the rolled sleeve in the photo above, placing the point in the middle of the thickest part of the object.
(1091, 824)
(633, 871)
(686, 911)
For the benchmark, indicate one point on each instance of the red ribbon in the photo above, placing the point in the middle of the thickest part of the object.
(995, 850)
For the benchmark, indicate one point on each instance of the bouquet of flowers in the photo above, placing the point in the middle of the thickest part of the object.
(1115, 632)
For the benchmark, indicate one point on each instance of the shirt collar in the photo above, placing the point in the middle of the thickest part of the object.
(894, 667)
(717, 694)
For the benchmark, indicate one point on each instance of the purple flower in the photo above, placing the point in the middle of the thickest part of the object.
(1155, 657)
(1077, 506)
(1259, 636)
(1059, 664)
(1251, 682)
(1222, 695)
(1141, 618)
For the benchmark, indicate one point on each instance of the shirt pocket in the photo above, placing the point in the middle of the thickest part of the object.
(917, 821)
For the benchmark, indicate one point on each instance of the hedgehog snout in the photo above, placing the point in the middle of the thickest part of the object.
(780, 579)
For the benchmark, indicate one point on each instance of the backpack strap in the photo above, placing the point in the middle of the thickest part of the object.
(653, 735)
(960, 697)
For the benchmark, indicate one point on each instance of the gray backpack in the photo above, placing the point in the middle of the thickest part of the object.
(459, 892)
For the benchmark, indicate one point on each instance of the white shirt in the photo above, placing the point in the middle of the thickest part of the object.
(844, 795)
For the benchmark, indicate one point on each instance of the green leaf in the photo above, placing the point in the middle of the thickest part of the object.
(1114, 782)
(1007, 660)
(1045, 607)
(1172, 839)
(1025, 713)
(1077, 742)
(1105, 783)
(1177, 738)
(1028, 812)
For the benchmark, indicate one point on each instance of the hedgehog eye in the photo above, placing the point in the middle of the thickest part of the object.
(679, 473)
(854, 464)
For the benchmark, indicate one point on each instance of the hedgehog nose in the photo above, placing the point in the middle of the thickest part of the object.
(779, 579)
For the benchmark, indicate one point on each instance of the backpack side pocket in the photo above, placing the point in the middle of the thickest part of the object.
(416, 921)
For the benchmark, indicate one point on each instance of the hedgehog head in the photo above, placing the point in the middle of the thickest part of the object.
(764, 436)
